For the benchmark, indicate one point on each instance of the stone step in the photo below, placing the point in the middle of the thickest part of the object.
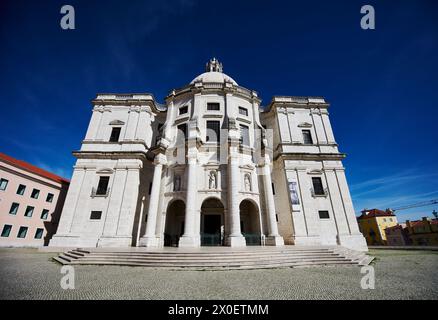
(73, 255)
(200, 258)
(233, 266)
(207, 262)
(212, 255)
(215, 256)
(214, 259)
(61, 260)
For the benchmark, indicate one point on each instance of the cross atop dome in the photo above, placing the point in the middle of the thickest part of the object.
(213, 66)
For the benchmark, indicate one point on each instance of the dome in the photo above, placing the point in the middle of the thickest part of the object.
(215, 77)
(213, 74)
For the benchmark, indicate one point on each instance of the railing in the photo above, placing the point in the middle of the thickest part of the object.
(252, 239)
(314, 194)
(211, 239)
(94, 193)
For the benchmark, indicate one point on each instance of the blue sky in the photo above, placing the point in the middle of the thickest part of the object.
(381, 84)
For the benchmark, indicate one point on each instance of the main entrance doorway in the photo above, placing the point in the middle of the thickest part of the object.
(212, 223)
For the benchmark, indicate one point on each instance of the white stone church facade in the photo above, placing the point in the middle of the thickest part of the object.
(210, 167)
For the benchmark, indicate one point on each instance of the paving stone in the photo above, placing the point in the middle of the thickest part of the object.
(29, 274)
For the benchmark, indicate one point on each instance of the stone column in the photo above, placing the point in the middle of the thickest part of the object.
(189, 238)
(235, 237)
(150, 238)
(274, 237)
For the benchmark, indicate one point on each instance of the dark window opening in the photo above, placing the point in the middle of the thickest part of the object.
(307, 137)
(44, 214)
(39, 233)
(14, 208)
(318, 188)
(183, 110)
(49, 197)
(213, 106)
(243, 111)
(22, 232)
(21, 189)
(3, 184)
(35, 193)
(115, 135)
(273, 189)
(6, 230)
(29, 211)
(96, 215)
(102, 187)
(324, 214)
(213, 131)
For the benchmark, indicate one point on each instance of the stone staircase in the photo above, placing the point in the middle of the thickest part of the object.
(214, 258)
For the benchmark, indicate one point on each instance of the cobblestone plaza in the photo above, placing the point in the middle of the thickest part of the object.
(29, 274)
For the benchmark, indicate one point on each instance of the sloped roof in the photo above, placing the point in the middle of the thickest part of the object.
(373, 213)
(33, 169)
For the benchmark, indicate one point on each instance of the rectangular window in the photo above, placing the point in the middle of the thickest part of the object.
(243, 111)
(244, 135)
(3, 184)
(115, 135)
(102, 187)
(49, 197)
(39, 233)
(95, 215)
(273, 189)
(307, 137)
(318, 189)
(29, 211)
(6, 230)
(324, 214)
(35, 193)
(213, 106)
(183, 110)
(22, 232)
(44, 214)
(14, 208)
(21, 189)
(182, 130)
(213, 131)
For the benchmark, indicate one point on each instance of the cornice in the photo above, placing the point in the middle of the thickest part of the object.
(310, 156)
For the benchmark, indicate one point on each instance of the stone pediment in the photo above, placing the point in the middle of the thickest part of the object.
(105, 170)
(305, 125)
(116, 123)
(315, 171)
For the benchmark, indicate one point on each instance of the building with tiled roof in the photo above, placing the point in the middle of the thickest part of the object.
(31, 201)
(423, 232)
(372, 224)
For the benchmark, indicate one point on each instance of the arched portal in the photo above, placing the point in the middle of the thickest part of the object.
(212, 223)
(250, 222)
(174, 228)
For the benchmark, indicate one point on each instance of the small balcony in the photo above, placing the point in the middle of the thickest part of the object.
(319, 193)
(95, 192)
